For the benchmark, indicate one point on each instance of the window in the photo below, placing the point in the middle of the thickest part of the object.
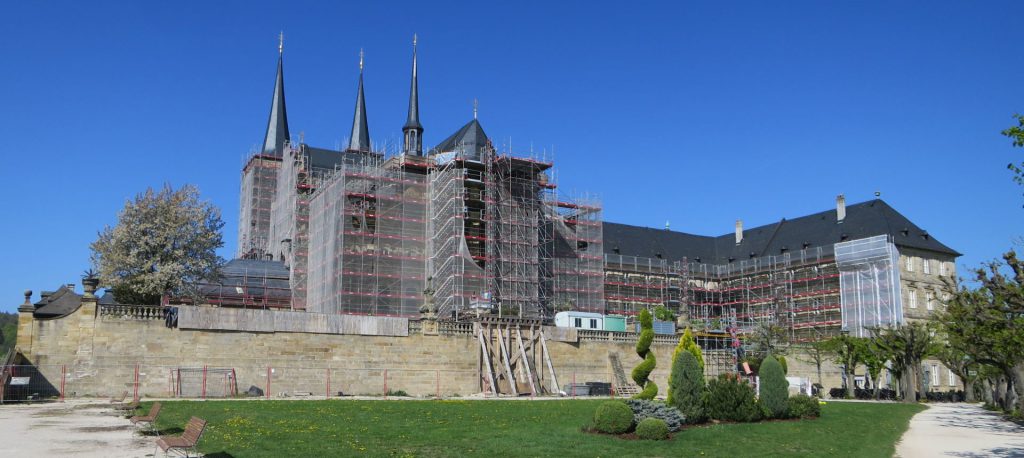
(926, 266)
(952, 379)
(578, 322)
(593, 323)
(910, 264)
(912, 298)
(929, 300)
(943, 270)
(935, 375)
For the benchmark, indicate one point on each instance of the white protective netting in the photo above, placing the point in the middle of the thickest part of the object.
(869, 284)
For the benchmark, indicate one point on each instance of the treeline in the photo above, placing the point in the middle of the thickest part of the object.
(8, 331)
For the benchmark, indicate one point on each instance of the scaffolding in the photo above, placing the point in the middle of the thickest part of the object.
(259, 186)
(368, 237)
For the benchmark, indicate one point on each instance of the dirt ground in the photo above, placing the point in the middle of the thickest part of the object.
(74, 428)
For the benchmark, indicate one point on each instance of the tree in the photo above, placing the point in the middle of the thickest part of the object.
(641, 373)
(164, 243)
(815, 353)
(1016, 134)
(686, 345)
(774, 388)
(769, 338)
(987, 324)
(686, 388)
(847, 352)
(909, 344)
(875, 357)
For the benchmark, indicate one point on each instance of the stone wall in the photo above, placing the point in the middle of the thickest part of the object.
(100, 354)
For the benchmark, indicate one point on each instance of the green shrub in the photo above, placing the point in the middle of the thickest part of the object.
(774, 388)
(643, 408)
(652, 429)
(643, 370)
(732, 399)
(782, 361)
(804, 406)
(613, 417)
(686, 344)
(686, 388)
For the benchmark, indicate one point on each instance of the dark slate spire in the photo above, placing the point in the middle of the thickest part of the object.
(360, 139)
(413, 130)
(277, 126)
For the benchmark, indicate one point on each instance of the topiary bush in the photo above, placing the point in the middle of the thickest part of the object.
(643, 408)
(732, 399)
(774, 388)
(613, 417)
(782, 361)
(686, 344)
(804, 406)
(643, 370)
(652, 429)
(686, 388)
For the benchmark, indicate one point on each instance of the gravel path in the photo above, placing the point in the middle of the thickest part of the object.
(74, 428)
(964, 430)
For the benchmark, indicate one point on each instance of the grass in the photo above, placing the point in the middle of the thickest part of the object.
(513, 428)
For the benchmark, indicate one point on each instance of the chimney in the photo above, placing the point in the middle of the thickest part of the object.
(739, 231)
(840, 208)
(71, 287)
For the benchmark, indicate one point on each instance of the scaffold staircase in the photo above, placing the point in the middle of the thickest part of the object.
(624, 386)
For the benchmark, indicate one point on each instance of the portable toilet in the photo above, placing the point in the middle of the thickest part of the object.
(615, 323)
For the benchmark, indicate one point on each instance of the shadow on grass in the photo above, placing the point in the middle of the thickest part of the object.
(219, 455)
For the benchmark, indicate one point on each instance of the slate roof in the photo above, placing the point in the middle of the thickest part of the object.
(470, 139)
(327, 159)
(277, 125)
(250, 277)
(57, 303)
(865, 219)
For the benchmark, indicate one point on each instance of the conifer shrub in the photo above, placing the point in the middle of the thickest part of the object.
(686, 344)
(782, 361)
(804, 406)
(652, 429)
(643, 408)
(613, 417)
(732, 399)
(642, 371)
(774, 388)
(686, 388)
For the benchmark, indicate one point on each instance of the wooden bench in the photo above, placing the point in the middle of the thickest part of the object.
(148, 420)
(187, 441)
(118, 400)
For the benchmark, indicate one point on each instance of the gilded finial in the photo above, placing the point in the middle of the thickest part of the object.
(280, 43)
(414, 40)
(360, 60)
(476, 105)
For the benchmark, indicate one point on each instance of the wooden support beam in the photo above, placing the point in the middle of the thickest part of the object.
(547, 359)
(487, 362)
(526, 362)
(508, 367)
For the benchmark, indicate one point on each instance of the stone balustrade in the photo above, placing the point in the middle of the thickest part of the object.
(132, 312)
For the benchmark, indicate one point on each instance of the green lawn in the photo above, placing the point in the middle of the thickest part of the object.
(513, 428)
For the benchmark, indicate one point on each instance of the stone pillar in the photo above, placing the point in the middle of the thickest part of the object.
(26, 323)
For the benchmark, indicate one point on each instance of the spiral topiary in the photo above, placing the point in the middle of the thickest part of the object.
(643, 370)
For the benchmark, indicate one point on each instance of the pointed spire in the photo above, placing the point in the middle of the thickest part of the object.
(413, 130)
(360, 138)
(277, 125)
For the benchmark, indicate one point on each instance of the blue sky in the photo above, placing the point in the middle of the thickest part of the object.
(697, 113)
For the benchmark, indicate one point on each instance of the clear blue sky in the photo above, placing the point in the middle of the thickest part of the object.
(695, 113)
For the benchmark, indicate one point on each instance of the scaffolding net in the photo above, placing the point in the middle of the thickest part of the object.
(870, 284)
(259, 186)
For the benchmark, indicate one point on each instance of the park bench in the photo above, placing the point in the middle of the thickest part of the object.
(119, 400)
(148, 420)
(187, 441)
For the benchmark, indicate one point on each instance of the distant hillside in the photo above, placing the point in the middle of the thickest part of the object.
(8, 331)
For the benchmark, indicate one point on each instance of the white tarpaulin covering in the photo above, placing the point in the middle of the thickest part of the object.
(869, 283)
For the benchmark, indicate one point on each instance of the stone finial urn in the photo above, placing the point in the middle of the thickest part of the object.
(90, 282)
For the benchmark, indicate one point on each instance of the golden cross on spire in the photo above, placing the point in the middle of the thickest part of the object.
(280, 43)
(360, 60)
(476, 105)
(414, 40)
